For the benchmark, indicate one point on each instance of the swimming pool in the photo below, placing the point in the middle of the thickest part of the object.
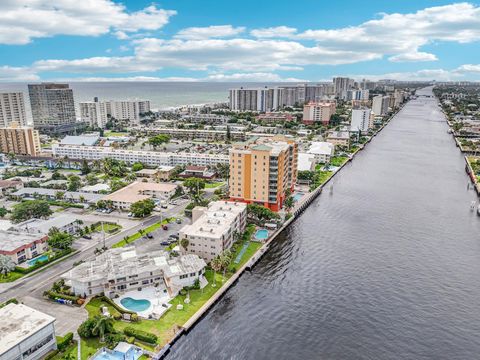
(33, 261)
(261, 234)
(135, 304)
(298, 196)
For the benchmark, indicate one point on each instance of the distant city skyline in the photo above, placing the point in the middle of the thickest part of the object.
(103, 40)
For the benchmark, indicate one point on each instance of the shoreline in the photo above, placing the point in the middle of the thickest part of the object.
(250, 264)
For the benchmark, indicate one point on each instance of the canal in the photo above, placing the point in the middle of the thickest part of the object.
(385, 266)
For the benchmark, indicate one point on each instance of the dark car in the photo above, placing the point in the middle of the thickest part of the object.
(173, 236)
(87, 237)
(164, 227)
(150, 236)
(165, 243)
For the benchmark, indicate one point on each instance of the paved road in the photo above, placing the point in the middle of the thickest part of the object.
(36, 284)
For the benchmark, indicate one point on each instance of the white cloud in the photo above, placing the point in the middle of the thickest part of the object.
(9, 73)
(217, 31)
(260, 77)
(274, 32)
(469, 68)
(23, 20)
(399, 35)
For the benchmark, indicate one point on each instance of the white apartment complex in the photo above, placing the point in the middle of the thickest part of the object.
(196, 134)
(380, 105)
(149, 158)
(12, 109)
(258, 99)
(26, 333)
(322, 151)
(213, 228)
(96, 113)
(119, 270)
(361, 120)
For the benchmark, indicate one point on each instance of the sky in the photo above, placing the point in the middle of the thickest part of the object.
(251, 40)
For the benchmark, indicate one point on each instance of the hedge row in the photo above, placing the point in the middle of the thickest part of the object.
(54, 295)
(10, 301)
(140, 335)
(115, 306)
(51, 354)
(39, 264)
(65, 341)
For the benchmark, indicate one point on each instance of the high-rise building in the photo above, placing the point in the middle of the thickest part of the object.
(262, 169)
(253, 99)
(19, 140)
(316, 112)
(361, 120)
(93, 113)
(380, 105)
(350, 95)
(12, 109)
(53, 108)
(342, 84)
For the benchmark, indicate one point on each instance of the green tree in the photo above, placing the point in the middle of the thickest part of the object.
(59, 240)
(85, 167)
(74, 183)
(103, 325)
(260, 213)
(184, 243)
(3, 212)
(59, 195)
(137, 166)
(142, 208)
(158, 140)
(194, 186)
(6, 265)
(31, 209)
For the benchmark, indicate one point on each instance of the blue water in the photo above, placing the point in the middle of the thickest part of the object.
(135, 304)
(116, 355)
(261, 234)
(297, 196)
(33, 261)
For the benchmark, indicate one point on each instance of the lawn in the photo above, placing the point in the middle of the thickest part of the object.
(214, 184)
(138, 235)
(109, 228)
(89, 347)
(338, 160)
(70, 350)
(12, 276)
(115, 133)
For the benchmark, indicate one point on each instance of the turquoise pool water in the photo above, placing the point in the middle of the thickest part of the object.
(297, 196)
(261, 234)
(135, 304)
(33, 261)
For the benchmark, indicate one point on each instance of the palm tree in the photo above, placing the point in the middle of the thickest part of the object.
(103, 325)
(6, 265)
(225, 261)
(184, 243)
(216, 265)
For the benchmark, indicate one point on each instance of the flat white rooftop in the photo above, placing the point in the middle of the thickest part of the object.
(19, 322)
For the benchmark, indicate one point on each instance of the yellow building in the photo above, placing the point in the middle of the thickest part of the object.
(262, 169)
(19, 140)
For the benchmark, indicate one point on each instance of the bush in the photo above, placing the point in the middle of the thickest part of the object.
(140, 335)
(85, 328)
(54, 295)
(10, 301)
(65, 341)
(112, 340)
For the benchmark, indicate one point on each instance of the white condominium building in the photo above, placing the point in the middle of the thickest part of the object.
(322, 150)
(25, 333)
(380, 105)
(258, 99)
(213, 228)
(12, 109)
(149, 158)
(361, 120)
(93, 113)
(119, 270)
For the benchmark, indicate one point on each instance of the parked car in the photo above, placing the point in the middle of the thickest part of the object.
(165, 243)
(87, 237)
(164, 227)
(130, 214)
(150, 236)
(173, 236)
(178, 221)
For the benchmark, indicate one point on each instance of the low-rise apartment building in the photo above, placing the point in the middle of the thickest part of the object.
(322, 151)
(275, 117)
(26, 333)
(162, 173)
(339, 138)
(123, 198)
(149, 158)
(20, 246)
(119, 270)
(63, 223)
(198, 134)
(52, 194)
(262, 169)
(214, 228)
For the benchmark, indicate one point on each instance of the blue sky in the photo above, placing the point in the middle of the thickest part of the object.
(191, 40)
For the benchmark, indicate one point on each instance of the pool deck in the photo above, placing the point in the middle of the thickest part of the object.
(156, 296)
